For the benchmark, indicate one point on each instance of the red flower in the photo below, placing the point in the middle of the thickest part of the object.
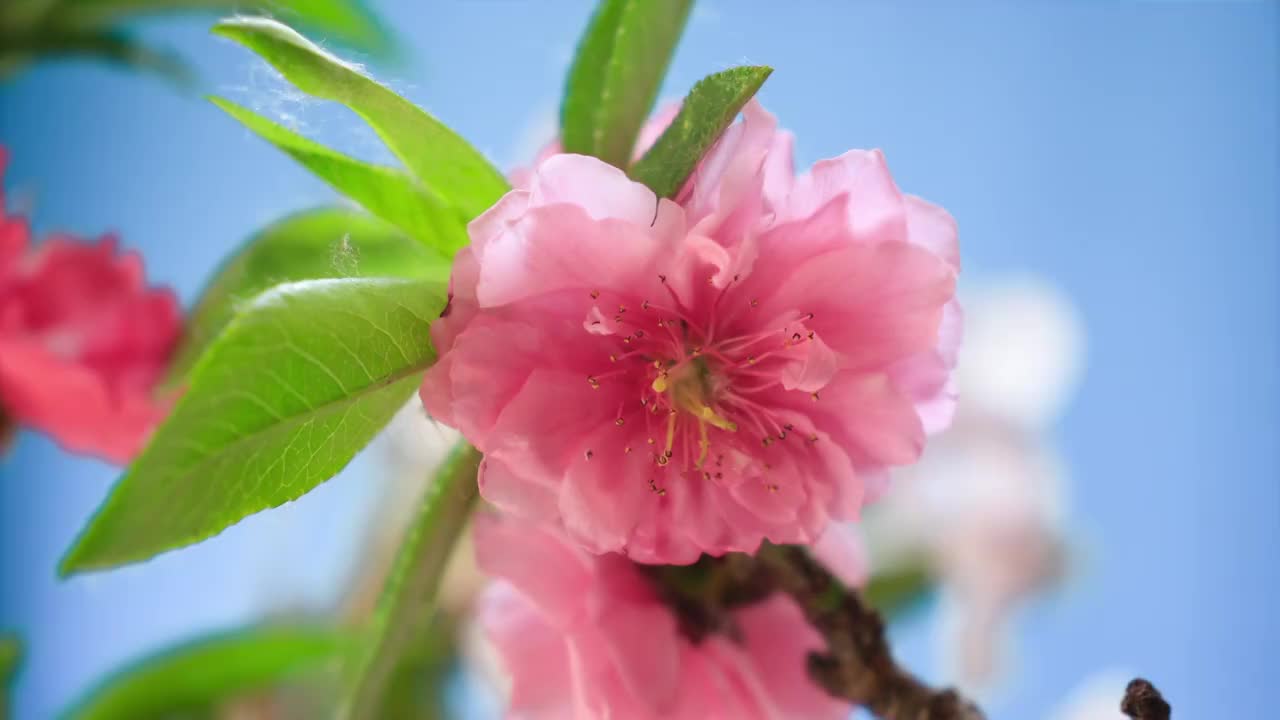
(82, 339)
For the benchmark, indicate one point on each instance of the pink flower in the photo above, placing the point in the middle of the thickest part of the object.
(82, 340)
(585, 636)
(668, 378)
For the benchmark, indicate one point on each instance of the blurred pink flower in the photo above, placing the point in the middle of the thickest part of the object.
(585, 636)
(668, 378)
(82, 339)
(985, 506)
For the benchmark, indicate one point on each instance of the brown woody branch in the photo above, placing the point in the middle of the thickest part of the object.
(1142, 701)
(857, 666)
(8, 430)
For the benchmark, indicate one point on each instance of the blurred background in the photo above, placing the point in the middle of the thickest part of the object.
(1115, 170)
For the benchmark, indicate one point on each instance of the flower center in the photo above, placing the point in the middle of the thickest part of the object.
(688, 387)
(690, 390)
(697, 380)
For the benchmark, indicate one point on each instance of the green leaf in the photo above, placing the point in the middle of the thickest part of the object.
(708, 109)
(386, 192)
(111, 46)
(292, 389)
(409, 594)
(321, 243)
(616, 75)
(192, 679)
(346, 21)
(10, 657)
(33, 30)
(444, 162)
(17, 17)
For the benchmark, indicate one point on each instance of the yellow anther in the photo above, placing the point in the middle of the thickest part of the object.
(709, 415)
(660, 383)
(703, 442)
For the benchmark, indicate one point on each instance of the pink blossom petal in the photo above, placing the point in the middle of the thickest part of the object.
(14, 237)
(528, 644)
(518, 449)
(778, 641)
(928, 378)
(842, 551)
(560, 247)
(773, 502)
(727, 188)
(605, 486)
(883, 425)
(620, 651)
(510, 487)
(72, 403)
(537, 564)
(876, 209)
(642, 642)
(933, 228)
(873, 305)
(779, 172)
(601, 190)
(810, 367)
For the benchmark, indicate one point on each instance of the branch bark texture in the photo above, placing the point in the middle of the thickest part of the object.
(1142, 701)
(857, 665)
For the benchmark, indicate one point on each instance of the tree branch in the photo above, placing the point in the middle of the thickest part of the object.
(1142, 701)
(857, 665)
(8, 431)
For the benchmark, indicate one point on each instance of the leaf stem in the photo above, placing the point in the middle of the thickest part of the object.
(408, 597)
